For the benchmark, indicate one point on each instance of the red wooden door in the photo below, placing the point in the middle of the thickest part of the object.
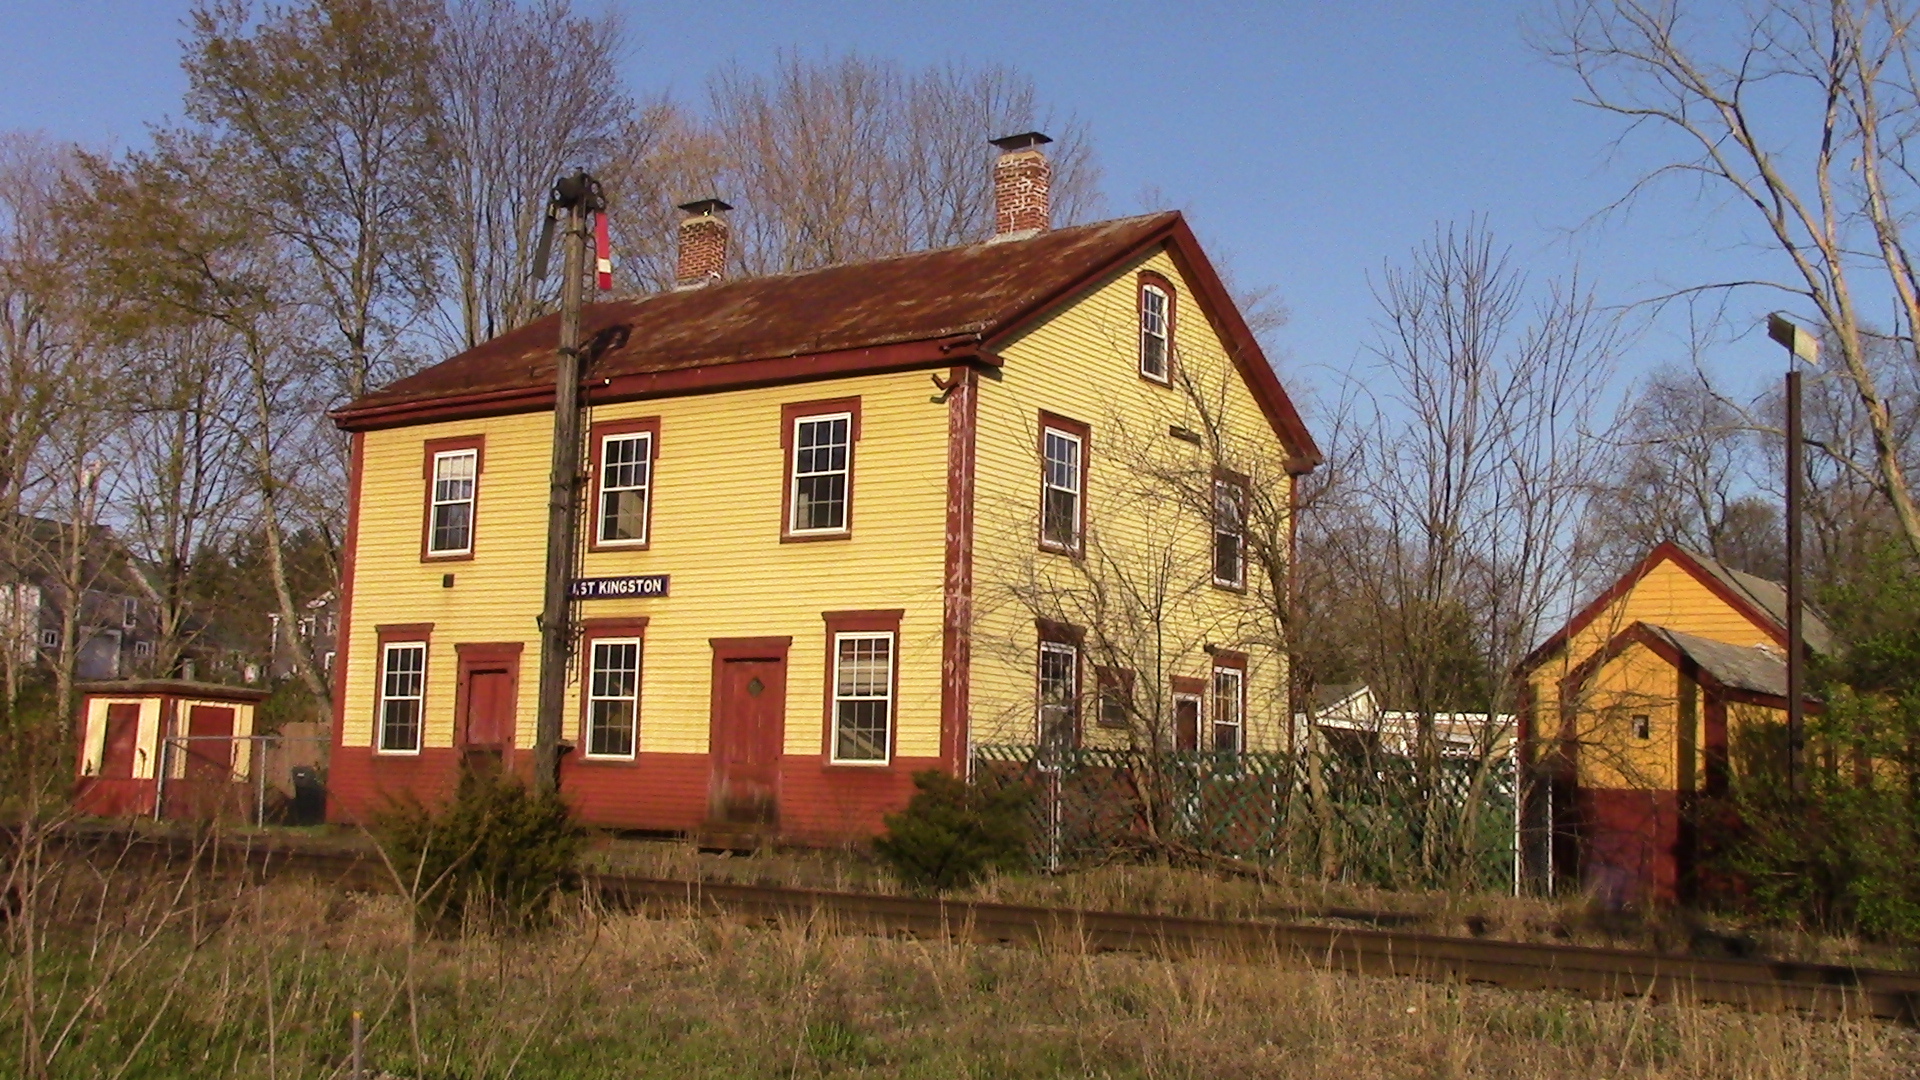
(749, 724)
(116, 751)
(489, 719)
(210, 743)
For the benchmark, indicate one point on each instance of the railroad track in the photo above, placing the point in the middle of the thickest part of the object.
(1762, 985)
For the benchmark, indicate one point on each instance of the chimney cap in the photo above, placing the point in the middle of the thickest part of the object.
(705, 206)
(1026, 140)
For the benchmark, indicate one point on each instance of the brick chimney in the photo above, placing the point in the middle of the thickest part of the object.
(1022, 187)
(703, 244)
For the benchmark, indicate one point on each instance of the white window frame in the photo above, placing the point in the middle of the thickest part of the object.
(1163, 335)
(594, 696)
(1239, 700)
(418, 697)
(49, 639)
(887, 695)
(645, 488)
(1079, 472)
(1072, 653)
(794, 477)
(1238, 493)
(435, 502)
(129, 612)
(142, 650)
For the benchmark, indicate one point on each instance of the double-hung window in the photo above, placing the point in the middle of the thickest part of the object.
(862, 697)
(1059, 695)
(403, 677)
(1229, 710)
(626, 487)
(450, 514)
(613, 697)
(1063, 477)
(1156, 319)
(819, 438)
(1230, 533)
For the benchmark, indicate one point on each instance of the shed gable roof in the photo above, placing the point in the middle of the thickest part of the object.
(919, 309)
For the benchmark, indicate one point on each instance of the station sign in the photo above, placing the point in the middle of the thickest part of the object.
(629, 587)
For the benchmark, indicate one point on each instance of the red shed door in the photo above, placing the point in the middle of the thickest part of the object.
(116, 751)
(749, 721)
(1186, 721)
(210, 743)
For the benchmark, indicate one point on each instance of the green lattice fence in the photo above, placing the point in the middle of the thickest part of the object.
(1381, 820)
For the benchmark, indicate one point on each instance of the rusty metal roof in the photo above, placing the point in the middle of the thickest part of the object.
(973, 289)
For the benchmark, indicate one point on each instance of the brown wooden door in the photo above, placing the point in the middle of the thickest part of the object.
(209, 743)
(488, 724)
(116, 751)
(1186, 722)
(749, 724)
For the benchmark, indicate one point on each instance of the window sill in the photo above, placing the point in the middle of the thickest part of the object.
(1228, 586)
(830, 765)
(607, 762)
(619, 545)
(381, 753)
(1165, 383)
(809, 538)
(463, 556)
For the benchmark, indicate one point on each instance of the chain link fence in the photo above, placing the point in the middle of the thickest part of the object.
(257, 779)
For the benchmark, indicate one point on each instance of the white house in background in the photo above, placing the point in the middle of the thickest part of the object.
(1350, 717)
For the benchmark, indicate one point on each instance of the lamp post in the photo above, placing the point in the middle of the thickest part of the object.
(1802, 345)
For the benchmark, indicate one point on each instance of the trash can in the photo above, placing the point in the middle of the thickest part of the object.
(309, 796)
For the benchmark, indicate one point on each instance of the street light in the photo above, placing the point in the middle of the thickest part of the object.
(1803, 345)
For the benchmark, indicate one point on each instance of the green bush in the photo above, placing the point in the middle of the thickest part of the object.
(496, 852)
(952, 833)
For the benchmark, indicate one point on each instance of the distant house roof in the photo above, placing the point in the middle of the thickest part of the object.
(1751, 668)
(1763, 602)
(920, 309)
(1326, 697)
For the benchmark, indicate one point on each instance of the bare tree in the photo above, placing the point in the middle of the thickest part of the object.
(849, 157)
(524, 94)
(1801, 114)
(321, 118)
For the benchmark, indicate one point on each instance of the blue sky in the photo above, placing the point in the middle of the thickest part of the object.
(1309, 142)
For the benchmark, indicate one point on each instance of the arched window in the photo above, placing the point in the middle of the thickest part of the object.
(1156, 329)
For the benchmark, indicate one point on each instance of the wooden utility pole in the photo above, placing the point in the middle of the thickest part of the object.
(574, 196)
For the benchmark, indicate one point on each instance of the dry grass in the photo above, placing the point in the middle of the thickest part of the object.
(260, 983)
(1168, 890)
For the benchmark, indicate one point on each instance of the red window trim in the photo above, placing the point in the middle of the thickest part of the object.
(1245, 484)
(429, 449)
(1048, 631)
(386, 634)
(789, 414)
(1230, 660)
(1158, 281)
(642, 425)
(873, 621)
(1109, 678)
(1083, 432)
(591, 630)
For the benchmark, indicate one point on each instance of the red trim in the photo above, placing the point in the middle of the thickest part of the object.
(1084, 433)
(1681, 558)
(431, 449)
(749, 648)
(1188, 684)
(591, 630)
(853, 622)
(956, 626)
(1160, 282)
(706, 379)
(644, 425)
(790, 414)
(393, 634)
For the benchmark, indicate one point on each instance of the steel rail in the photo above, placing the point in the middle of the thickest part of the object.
(1762, 985)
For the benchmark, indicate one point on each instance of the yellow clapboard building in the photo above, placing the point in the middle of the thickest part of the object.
(839, 526)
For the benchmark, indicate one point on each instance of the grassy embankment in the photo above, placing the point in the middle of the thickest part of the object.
(136, 976)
